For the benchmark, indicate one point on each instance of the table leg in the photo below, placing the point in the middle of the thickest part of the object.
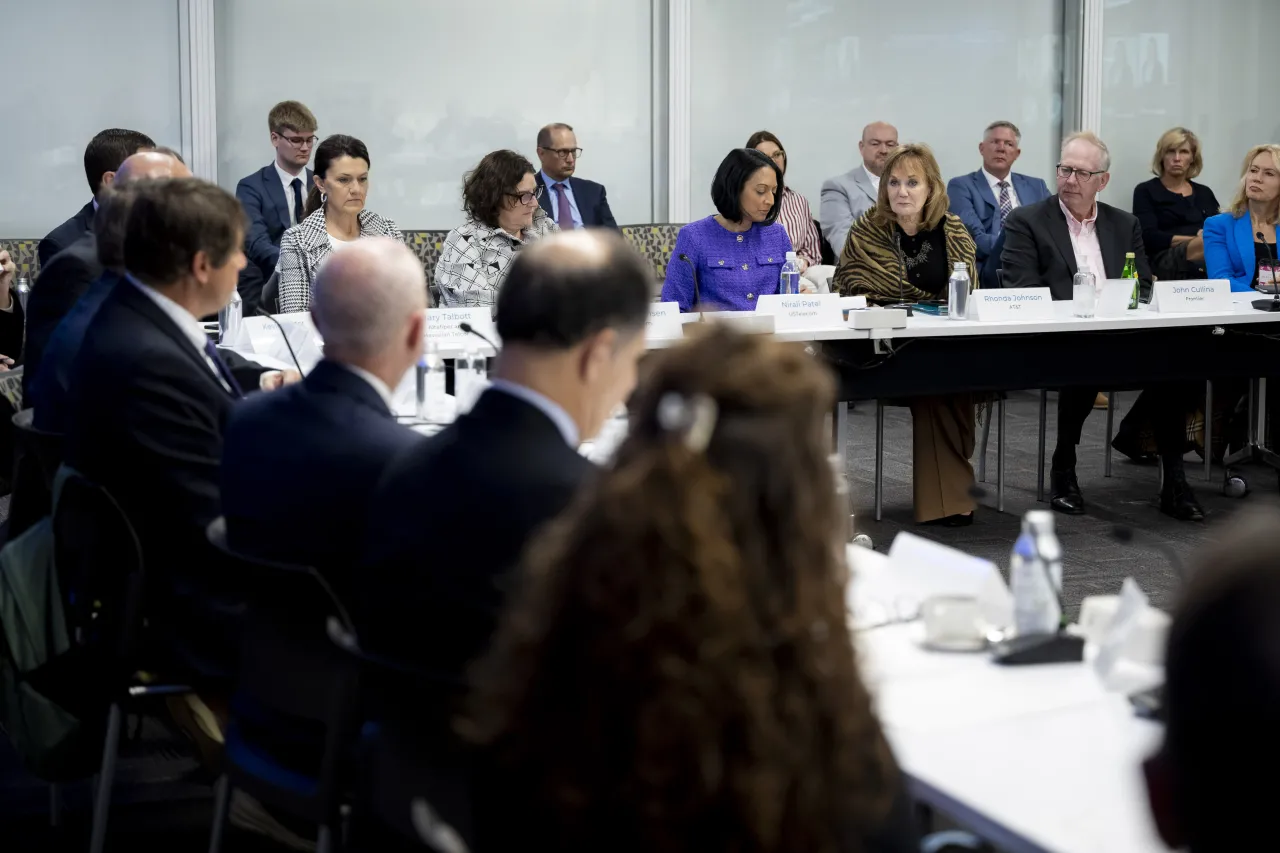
(999, 457)
(1044, 411)
(1208, 430)
(879, 458)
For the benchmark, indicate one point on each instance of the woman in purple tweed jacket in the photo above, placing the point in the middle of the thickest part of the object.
(738, 253)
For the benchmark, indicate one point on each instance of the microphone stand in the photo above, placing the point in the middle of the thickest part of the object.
(262, 311)
(693, 271)
(1272, 304)
(468, 329)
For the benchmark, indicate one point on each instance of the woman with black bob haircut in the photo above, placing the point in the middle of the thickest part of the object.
(729, 260)
(500, 198)
(335, 218)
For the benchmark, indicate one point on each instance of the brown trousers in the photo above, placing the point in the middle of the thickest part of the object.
(942, 444)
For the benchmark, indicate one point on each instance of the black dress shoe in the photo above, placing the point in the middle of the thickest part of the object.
(1177, 499)
(1064, 492)
(960, 519)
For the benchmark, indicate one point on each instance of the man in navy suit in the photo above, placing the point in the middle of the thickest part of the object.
(273, 197)
(299, 465)
(571, 202)
(983, 199)
(102, 157)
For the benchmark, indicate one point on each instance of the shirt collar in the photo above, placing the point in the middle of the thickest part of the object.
(553, 410)
(1071, 218)
(287, 179)
(378, 385)
(548, 182)
(188, 324)
(994, 181)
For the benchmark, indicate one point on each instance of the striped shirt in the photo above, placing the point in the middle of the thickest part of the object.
(795, 217)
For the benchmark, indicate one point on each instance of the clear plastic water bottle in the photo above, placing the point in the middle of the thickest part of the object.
(958, 292)
(465, 379)
(479, 374)
(790, 282)
(1035, 601)
(431, 395)
(24, 290)
(1048, 548)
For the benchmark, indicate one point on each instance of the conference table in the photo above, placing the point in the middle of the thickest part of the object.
(1030, 758)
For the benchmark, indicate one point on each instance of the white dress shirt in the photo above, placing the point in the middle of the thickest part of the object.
(553, 410)
(378, 385)
(186, 323)
(994, 183)
(875, 179)
(287, 180)
(1084, 240)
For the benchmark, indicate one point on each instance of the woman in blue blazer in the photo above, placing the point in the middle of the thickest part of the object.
(1232, 246)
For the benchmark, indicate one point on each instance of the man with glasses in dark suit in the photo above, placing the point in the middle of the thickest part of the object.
(572, 202)
(273, 196)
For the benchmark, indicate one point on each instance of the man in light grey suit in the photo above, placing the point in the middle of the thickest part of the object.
(846, 197)
(983, 199)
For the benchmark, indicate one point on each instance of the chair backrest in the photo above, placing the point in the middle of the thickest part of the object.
(36, 457)
(98, 560)
(288, 666)
(271, 293)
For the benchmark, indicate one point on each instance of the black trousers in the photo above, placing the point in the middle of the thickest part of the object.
(1165, 406)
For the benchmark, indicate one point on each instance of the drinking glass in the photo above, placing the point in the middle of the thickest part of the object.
(1084, 294)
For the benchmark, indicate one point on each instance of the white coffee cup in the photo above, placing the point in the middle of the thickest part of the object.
(953, 623)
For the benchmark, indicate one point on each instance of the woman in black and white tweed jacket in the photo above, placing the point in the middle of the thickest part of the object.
(335, 217)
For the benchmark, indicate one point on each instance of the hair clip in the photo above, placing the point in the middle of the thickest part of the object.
(693, 418)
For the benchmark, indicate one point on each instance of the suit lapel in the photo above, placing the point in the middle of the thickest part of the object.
(1022, 187)
(1243, 229)
(1062, 236)
(275, 193)
(582, 195)
(150, 311)
(545, 201)
(862, 182)
(984, 190)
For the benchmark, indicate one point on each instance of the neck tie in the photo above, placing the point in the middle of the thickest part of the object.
(296, 186)
(564, 216)
(224, 372)
(1006, 203)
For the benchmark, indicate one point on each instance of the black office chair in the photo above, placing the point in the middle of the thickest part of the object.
(295, 699)
(420, 774)
(36, 457)
(271, 294)
(101, 574)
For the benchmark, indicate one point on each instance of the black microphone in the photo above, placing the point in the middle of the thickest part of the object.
(693, 270)
(1125, 533)
(1272, 304)
(902, 272)
(470, 330)
(265, 313)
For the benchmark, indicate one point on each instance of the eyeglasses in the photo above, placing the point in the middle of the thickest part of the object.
(1082, 175)
(299, 141)
(565, 152)
(527, 198)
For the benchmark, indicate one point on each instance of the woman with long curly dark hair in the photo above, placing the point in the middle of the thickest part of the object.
(675, 672)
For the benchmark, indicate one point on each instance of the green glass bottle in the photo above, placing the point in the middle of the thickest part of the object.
(1131, 271)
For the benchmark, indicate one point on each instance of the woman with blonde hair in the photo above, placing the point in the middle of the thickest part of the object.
(903, 250)
(675, 673)
(1172, 208)
(1237, 242)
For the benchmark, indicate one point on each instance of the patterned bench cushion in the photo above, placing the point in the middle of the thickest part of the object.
(655, 241)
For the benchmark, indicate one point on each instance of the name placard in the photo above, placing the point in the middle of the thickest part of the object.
(1192, 297)
(664, 322)
(1011, 303)
(798, 311)
(444, 327)
(1113, 301)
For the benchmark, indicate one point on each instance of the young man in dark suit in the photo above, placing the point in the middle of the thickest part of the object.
(571, 202)
(449, 521)
(288, 454)
(69, 274)
(273, 197)
(149, 397)
(1045, 245)
(102, 158)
